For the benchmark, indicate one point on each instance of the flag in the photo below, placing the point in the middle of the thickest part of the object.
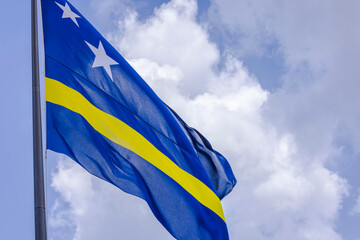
(104, 116)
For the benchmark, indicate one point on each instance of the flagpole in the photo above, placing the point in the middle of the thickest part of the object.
(39, 191)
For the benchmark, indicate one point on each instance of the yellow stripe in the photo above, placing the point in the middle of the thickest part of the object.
(122, 134)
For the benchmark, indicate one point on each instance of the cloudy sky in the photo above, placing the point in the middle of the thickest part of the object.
(273, 84)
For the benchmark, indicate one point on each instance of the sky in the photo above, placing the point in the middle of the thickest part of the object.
(272, 84)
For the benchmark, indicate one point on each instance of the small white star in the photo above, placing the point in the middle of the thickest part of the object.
(68, 13)
(102, 59)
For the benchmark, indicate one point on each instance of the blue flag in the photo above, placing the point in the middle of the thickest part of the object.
(104, 116)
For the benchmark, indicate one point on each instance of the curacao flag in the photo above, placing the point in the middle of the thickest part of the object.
(104, 116)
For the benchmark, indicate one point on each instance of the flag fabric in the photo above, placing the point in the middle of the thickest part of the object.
(103, 115)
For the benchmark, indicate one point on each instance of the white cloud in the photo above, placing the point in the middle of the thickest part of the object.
(283, 192)
(318, 40)
(171, 37)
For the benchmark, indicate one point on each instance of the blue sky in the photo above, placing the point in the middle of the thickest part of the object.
(272, 84)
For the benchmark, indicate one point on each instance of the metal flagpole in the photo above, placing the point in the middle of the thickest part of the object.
(39, 191)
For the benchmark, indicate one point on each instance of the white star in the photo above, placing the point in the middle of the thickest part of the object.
(102, 59)
(68, 13)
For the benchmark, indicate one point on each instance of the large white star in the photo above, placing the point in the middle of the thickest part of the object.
(102, 59)
(68, 13)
